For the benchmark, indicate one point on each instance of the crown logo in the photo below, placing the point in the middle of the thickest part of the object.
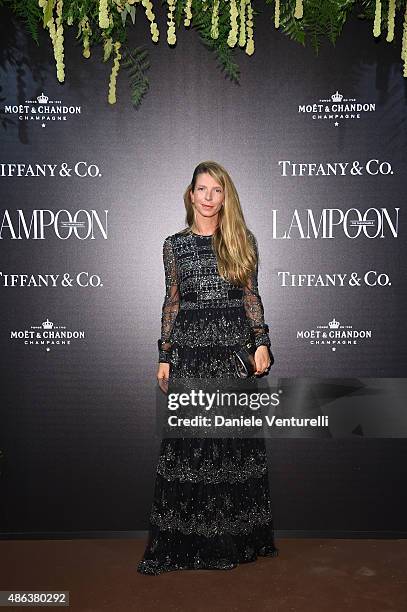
(47, 324)
(336, 97)
(333, 324)
(42, 99)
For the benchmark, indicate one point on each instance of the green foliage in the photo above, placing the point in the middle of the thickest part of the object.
(29, 12)
(325, 18)
(136, 63)
(49, 9)
(321, 18)
(367, 9)
(179, 13)
(202, 22)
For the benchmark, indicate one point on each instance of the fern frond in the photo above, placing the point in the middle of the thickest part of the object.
(320, 18)
(136, 63)
(28, 11)
(202, 22)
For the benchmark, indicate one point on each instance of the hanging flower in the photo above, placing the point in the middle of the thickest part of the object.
(56, 34)
(53, 34)
(299, 9)
(188, 13)
(377, 18)
(107, 48)
(171, 37)
(85, 29)
(277, 14)
(154, 32)
(215, 20)
(103, 14)
(59, 43)
(113, 75)
(249, 23)
(151, 17)
(404, 44)
(242, 33)
(232, 38)
(390, 20)
(50, 23)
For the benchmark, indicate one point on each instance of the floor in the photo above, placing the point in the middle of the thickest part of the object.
(309, 575)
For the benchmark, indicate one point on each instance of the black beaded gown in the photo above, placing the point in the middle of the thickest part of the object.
(211, 506)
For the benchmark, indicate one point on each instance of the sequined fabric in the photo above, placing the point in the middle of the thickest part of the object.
(211, 506)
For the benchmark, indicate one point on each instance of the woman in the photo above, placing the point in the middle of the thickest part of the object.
(211, 507)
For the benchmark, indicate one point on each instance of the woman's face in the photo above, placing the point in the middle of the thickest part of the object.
(208, 196)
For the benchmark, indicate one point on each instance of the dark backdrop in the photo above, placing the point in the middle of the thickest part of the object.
(78, 421)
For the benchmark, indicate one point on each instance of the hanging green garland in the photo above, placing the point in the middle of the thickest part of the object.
(222, 24)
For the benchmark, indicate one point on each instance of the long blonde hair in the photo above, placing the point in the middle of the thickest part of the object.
(233, 243)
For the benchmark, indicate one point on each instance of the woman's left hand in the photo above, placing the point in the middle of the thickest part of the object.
(262, 360)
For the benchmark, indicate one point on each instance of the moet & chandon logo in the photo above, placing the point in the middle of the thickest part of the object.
(334, 334)
(42, 110)
(336, 107)
(47, 334)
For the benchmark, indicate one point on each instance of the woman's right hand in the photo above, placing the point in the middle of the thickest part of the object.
(163, 374)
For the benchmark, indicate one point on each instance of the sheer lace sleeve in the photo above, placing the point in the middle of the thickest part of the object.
(254, 306)
(171, 300)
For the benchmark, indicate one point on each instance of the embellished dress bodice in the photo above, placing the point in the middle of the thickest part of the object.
(193, 283)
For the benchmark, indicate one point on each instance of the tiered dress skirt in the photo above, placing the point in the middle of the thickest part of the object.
(212, 506)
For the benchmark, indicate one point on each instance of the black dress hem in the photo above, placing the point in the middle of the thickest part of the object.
(155, 568)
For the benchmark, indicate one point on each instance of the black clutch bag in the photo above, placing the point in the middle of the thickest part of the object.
(244, 360)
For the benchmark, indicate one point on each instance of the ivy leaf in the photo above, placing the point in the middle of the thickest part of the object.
(128, 10)
(124, 14)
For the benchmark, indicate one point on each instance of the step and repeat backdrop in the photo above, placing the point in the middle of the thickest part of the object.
(89, 191)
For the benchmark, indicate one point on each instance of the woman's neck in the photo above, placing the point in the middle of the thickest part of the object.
(205, 228)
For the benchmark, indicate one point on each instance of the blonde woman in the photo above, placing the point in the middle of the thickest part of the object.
(212, 507)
